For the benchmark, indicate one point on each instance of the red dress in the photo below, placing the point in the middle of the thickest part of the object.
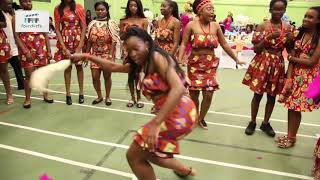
(302, 76)
(164, 39)
(36, 44)
(202, 68)
(101, 41)
(178, 124)
(266, 72)
(70, 24)
(5, 50)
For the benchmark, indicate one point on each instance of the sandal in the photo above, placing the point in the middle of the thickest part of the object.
(184, 175)
(280, 138)
(97, 101)
(9, 101)
(140, 104)
(203, 124)
(154, 110)
(130, 104)
(108, 102)
(287, 143)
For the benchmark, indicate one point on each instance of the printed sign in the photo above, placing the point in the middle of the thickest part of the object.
(32, 21)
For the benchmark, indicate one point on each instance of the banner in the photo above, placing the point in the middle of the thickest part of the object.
(32, 21)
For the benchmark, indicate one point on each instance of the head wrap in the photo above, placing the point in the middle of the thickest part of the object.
(202, 5)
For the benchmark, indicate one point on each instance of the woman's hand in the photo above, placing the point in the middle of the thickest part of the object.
(152, 136)
(273, 35)
(67, 53)
(76, 57)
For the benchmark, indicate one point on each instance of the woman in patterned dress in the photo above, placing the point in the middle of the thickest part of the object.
(34, 52)
(204, 36)
(71, 27)
(186, 17)
(102, 43)
(266, 72)
(165, 83)
(134, 17)
(4, 57)
(304, 67)
(167, 34)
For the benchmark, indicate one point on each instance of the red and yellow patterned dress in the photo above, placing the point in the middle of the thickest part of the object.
(101, 41)
(202, 68)
(70, 24)
(266, 72)
(164, 39)
(302, 76)
(178, 124)
(35, 42)
(5, 50)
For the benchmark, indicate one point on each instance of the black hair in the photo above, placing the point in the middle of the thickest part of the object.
(51, 26)
(250, 26)
(144, 36)
(175, 9)
(105, 4)
(272, 2)
(88, 11)
(62, 5)
(139, 12)
(15, 6)
(316, 35)
(2, 18)
(195, 5)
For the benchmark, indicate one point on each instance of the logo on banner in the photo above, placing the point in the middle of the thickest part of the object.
(32, 21)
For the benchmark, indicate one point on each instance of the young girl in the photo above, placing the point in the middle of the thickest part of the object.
(34, 52)
(103, 35)
(266, 71)
(4, 57)
(204, 36)
(164, 82)
(304, 67)
(71, 27)
(134, 17)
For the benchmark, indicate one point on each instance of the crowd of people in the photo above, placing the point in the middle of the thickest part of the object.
(153, 62)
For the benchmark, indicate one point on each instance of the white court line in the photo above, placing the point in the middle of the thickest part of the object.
(206, 161)
(67, 161)
(152, 115)
(211, 112)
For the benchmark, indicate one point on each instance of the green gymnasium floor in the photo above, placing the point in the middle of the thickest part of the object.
(85, 142)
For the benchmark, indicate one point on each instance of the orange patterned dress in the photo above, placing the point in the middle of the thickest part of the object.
(302, 76)
(202, 68)
(266, 72)
(5, 50)
(71, 24)
(178, 124)
(35, 42)
(164, 39)
(101, 41)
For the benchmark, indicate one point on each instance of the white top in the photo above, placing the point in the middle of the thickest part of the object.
(9, 32)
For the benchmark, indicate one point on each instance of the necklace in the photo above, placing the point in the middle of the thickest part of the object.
(203, 29)
(166, 22)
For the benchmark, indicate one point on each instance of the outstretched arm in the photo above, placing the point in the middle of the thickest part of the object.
(106, 65)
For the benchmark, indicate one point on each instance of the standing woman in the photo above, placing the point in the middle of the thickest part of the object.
(204, 36)
(266, 71)
(4, 57)
(34, 51)
(103, 35)
(157, 141)
(305, 62)
(167, 34)
(134, 17)
(71, 27)
(228, 21)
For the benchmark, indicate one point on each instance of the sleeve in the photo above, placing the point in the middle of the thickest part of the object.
(81, 14)
(114, 30)
(57, 18)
